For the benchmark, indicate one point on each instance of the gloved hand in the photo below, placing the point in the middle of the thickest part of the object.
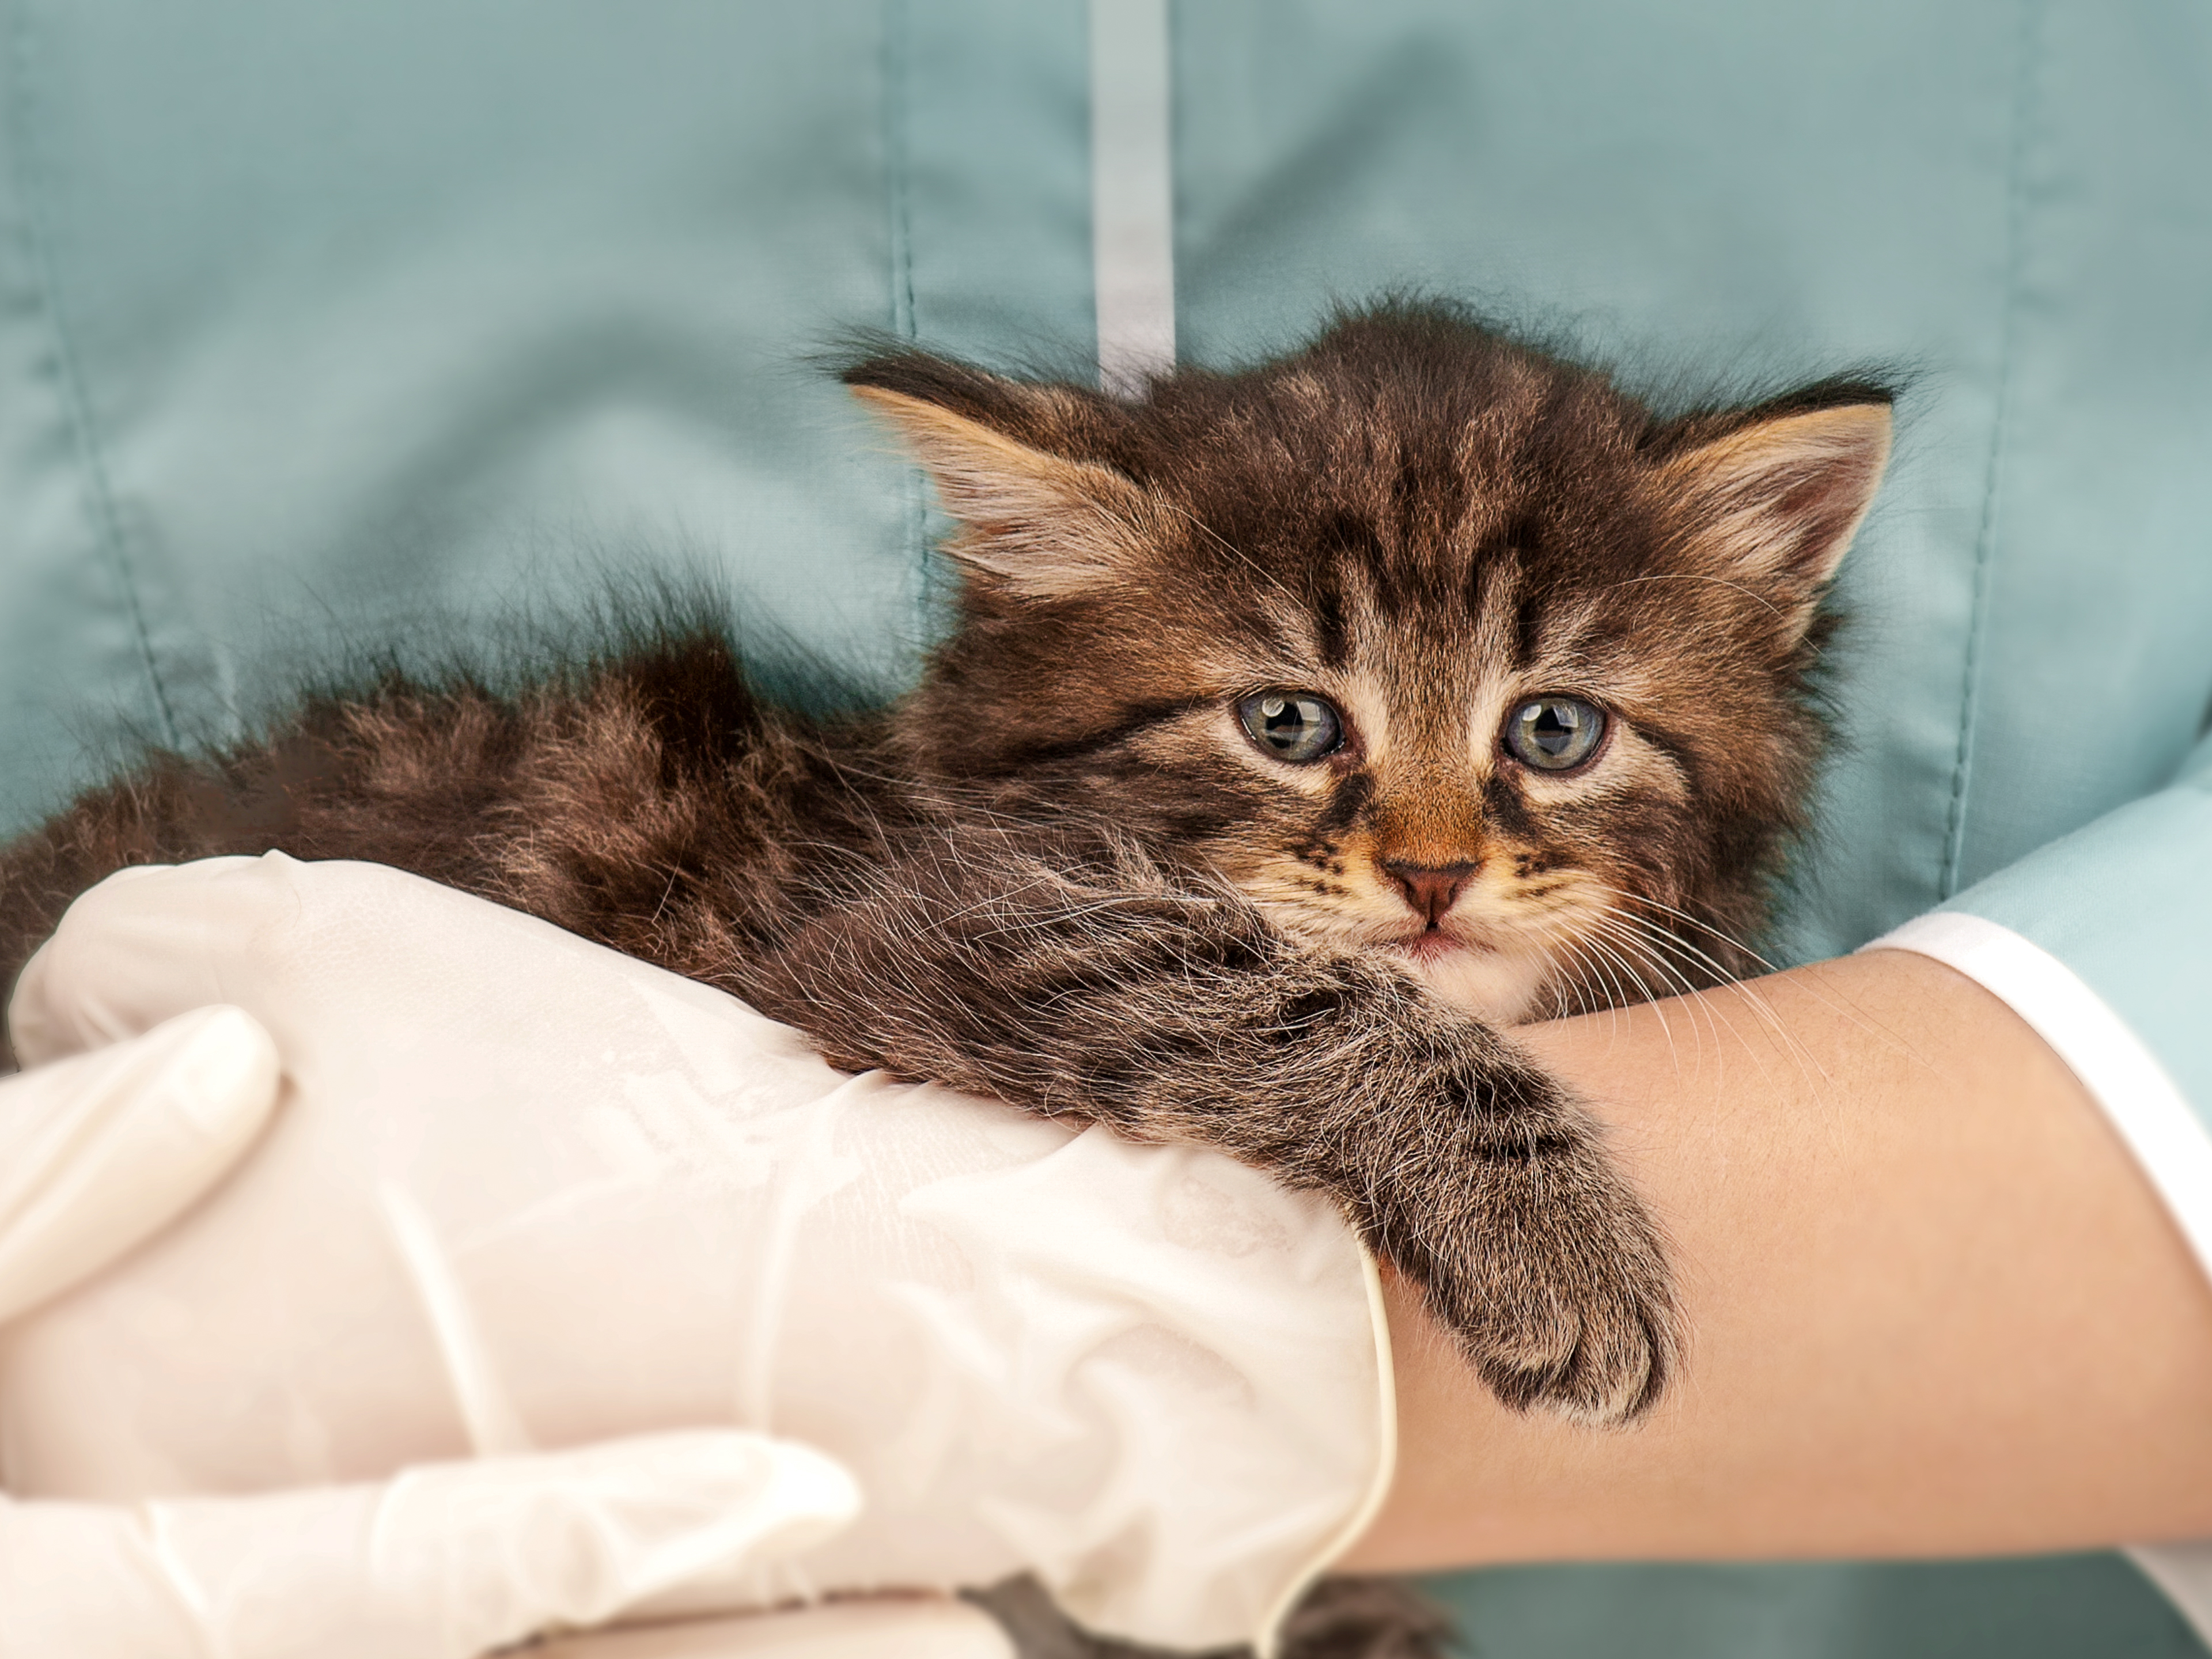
(443, 1562)
(524, 1192)
(100, 1152)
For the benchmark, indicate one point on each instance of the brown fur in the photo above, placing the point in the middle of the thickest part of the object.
(1344, 1618)
(1060, 872)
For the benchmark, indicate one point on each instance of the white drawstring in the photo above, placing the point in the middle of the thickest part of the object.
(1132, 192)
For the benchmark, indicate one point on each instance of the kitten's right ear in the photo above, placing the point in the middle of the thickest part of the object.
(1034, 524)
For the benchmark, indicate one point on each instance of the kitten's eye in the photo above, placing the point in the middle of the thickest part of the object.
(1555, 734)
(1291, 726)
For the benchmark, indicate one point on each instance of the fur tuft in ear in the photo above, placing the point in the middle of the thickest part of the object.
(1037, 525)
(1777, 502)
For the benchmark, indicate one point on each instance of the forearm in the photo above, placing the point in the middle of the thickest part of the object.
(1933, 1306)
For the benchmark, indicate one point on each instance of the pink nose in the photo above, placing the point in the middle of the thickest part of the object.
(1431, 889)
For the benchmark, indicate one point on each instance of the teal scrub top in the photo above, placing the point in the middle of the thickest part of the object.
(322, 327)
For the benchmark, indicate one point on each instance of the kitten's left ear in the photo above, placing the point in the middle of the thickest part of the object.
(1777, 502)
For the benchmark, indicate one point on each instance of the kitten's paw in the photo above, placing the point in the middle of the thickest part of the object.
(1554, 1279)
(1596, 1341)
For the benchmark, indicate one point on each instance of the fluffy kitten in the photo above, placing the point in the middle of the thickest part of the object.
(1301, 723)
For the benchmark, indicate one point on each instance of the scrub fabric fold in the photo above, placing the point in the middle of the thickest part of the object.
(322, 328)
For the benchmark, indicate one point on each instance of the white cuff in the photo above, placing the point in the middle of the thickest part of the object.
(2169, 1141)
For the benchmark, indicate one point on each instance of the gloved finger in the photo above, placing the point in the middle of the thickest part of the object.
(151, 942)
(99, 1152)
(446, 1561)
(292, 942)
(914, 1628)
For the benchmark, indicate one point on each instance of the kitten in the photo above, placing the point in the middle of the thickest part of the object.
(1301, 726)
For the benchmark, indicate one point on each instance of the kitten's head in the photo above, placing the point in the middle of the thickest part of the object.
(1430, 642)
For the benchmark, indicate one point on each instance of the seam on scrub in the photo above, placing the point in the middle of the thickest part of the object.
(1132, 83)
(2025, 75)
(107, 520)
(1386, 1464)
(898, 68)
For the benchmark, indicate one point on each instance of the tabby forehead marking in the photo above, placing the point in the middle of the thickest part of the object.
(1422, 782)
(1426, 525)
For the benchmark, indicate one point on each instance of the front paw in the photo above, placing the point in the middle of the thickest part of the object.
(1549, 1270)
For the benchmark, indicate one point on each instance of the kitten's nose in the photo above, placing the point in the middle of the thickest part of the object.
(1431, 889)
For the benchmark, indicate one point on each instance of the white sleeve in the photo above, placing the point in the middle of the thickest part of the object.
(2140, 1098)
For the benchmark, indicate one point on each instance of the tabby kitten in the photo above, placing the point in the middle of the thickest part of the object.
(1301, 726)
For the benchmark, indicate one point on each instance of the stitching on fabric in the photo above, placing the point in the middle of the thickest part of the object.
(2027, 75)
(77, 403)
(897, 72)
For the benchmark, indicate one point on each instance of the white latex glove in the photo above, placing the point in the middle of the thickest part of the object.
(902, 1628)
(100, 1152)
(526, 1192)
(446, 1561)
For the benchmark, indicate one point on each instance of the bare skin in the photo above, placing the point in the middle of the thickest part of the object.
(1934, 1307)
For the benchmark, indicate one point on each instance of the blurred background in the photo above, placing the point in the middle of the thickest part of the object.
(328, 330)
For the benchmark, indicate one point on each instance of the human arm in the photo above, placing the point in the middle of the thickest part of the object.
(1935, 1306)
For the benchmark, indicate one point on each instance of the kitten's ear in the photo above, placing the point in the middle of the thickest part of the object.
(1036, 524)
(1777, 501)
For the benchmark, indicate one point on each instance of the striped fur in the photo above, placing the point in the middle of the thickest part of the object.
(1060, 872)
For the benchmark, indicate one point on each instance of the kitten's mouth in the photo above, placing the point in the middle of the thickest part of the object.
(1432, 943)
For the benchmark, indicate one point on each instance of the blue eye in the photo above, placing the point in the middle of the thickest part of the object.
(1555, 734)
(1291, 726)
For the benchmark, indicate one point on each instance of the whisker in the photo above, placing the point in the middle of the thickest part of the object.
(1613, 926)
(1672, 978)
(1749, 995)
(1703, 962)
(1627, 965)
(1604, 961)
(1586, 999)
(1658, 941)
(1632, 934)
(1679, 982)
(1702, 925)
(1230, 548)
(1717, 581)
(1674, 1052)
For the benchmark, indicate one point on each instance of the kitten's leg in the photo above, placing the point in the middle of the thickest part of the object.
(1037, 1629)
(1338, 1618)
(1107, 986)
(1365, 1618)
